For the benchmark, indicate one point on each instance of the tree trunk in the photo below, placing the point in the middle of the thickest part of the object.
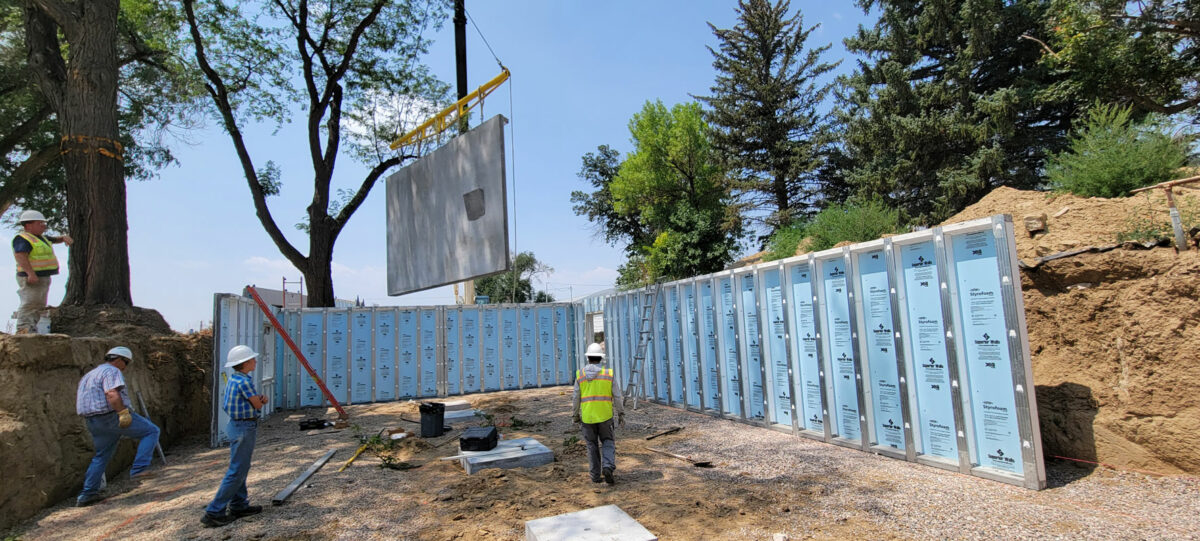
(319, 269)
(83, 93)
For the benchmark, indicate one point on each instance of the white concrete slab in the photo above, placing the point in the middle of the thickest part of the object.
(456, 405)
(508, 454)
(607, 523)
(459, 416)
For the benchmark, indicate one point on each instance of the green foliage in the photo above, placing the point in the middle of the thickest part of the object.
(599, 169)
(516, 285)
(853, 222)
(764, 110)
(157, 96)
(1145, 54)
(1152, 223)
(671, 184)
(570, 441)
(785, 240)
(950, 103)
(1111, 155)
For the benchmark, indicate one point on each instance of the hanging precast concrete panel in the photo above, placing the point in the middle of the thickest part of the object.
(447, 215)
(380, 354)
(912, 347)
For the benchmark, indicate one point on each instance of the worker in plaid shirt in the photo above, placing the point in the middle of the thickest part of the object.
(242, 402)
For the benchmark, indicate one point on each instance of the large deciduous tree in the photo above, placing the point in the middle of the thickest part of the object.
(155, 93)
(674, 187)
(950, 103)
(516, 284)
(72, 56)
(764, 111)
(357, 63)
(600, 169)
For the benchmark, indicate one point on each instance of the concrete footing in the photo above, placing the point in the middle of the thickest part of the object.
(508, 454)
(607, 523)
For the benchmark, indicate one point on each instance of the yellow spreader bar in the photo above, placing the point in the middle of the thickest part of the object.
(449, 116)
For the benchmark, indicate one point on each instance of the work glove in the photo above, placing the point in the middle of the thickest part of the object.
(621, 420)
(576, 419)
(126, 418)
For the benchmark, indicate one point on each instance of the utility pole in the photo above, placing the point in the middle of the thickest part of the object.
(460, 57)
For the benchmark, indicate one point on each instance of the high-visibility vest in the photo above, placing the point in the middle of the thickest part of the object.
(595, 396)
(41, 258)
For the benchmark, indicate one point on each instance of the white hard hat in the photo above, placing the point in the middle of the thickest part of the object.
(120, 351)
(32, 216)
(239, 355)
(595, 350)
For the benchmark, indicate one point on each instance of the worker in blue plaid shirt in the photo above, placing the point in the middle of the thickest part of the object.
(242, 402)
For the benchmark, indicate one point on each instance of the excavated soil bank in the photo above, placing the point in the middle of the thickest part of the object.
(1114, 336)
(44, 445)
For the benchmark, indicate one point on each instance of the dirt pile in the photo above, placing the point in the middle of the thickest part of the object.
(1114, 336)
(45, 445)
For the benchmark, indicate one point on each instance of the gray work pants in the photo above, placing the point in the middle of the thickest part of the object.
(602, 449)
(33, 300)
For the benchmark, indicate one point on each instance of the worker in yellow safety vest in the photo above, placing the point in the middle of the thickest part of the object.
(596, 398)
(36, 263)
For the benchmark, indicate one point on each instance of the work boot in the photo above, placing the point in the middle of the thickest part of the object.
(608, 477)
(215, 521)
(245, 511)
(88, 500)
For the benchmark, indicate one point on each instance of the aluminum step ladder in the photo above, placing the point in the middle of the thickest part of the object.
(653, 294)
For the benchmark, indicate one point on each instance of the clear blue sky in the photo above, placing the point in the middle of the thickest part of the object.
(580, 71)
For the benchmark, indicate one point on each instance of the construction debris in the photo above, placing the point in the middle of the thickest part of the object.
(288, 490)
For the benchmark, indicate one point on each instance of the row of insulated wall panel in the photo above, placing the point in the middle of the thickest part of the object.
(380, 354)
(913, 347)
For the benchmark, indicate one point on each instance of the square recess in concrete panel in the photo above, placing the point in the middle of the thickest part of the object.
(607, 523)
(508, 454)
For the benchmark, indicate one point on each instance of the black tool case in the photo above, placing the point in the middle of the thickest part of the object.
(483, 438)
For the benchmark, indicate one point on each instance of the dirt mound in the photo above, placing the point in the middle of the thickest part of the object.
(1113, 335)
(103, 320)
(1078, 222)
(46, 445)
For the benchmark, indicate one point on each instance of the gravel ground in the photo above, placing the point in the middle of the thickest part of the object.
(764, 483)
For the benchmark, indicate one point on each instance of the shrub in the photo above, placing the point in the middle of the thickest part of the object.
(784, 241)
(1111, 155)
(855, 222)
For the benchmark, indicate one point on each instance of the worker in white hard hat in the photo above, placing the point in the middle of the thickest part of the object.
(105, 407)
(595, 401)
(243, 404)
(36, 263)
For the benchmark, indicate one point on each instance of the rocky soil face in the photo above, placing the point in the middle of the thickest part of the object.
(45, 447)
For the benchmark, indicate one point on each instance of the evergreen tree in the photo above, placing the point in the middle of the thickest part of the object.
(763, 110)
(950, 103)
(1145, 54)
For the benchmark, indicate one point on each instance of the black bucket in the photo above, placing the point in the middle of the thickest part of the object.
(433, 415)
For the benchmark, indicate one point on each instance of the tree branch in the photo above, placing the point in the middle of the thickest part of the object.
(11, 139)
(64, 14)
(21, 177)
(42, 51)
(220, 95)
(365, 189)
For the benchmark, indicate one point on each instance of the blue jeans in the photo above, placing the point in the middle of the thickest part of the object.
(232, 493)
(105, 435)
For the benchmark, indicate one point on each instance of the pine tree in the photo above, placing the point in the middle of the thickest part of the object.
(763, 110)
(951, 103)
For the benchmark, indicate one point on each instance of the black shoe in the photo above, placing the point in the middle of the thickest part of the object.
(597, 480)
(245, 511)
(215, 521)
(608, 478)
(84, 502)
